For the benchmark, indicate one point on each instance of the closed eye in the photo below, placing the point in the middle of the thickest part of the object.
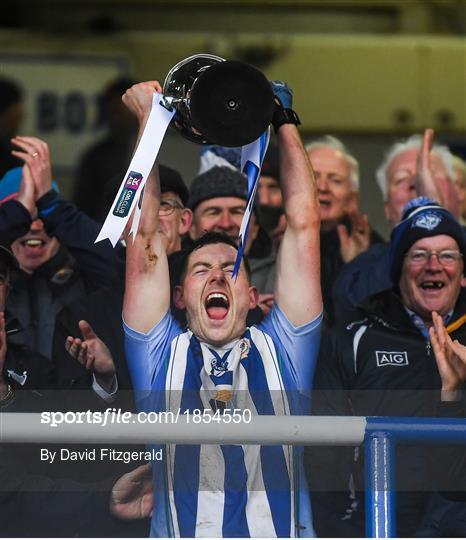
(336, 180)
(199, 269)
(212, 212)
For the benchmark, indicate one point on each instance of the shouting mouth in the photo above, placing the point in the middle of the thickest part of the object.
(217, 305)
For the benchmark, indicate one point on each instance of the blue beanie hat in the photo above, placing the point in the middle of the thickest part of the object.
(422, 217)
(9, 184)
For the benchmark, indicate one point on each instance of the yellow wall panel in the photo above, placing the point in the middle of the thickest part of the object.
(352, 84)
(445, 68)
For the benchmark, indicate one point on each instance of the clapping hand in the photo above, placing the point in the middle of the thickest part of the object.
(356, 242)
(450, 357)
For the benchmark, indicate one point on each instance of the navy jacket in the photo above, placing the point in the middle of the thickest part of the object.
(79, 267)
(381, 365)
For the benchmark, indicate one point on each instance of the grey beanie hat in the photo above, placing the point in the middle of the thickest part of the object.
(217, 182)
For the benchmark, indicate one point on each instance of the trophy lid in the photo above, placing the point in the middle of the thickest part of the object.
(231, 103)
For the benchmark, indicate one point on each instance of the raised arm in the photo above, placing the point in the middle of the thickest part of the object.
(62, 219)
(297, 285)
(426, 184)
(147, 289)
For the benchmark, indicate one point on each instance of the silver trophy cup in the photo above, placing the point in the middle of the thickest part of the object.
(218, 101)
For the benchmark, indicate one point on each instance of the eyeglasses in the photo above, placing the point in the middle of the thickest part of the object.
(168, 206)
(446, 257)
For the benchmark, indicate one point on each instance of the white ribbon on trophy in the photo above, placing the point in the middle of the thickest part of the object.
(128, 198)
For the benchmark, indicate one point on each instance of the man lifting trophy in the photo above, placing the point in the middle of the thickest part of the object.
(209, 100)
(216, 366)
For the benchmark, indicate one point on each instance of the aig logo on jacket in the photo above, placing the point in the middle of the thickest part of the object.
(391, 358)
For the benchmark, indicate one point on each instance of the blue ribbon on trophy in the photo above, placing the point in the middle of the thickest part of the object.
(209, 100)
(252, 157)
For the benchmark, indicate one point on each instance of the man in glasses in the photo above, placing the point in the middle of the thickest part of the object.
(383, 364)
(411, 168)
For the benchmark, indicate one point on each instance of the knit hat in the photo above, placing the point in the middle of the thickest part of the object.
(217, 182)
(9, 184)
(171, 180)
(421, 218)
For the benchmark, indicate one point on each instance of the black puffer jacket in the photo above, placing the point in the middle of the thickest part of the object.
(31, 376)
(79, 267)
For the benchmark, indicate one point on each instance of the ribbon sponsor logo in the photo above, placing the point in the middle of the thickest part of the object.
(391, 358)
(127, 195)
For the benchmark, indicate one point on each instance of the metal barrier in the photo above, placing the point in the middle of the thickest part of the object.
(382, 434)
(379, 434)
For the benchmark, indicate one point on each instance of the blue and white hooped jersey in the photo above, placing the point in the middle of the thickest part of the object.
(228, 490)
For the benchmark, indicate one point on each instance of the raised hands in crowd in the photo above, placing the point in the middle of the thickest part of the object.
(358, 240)
(92, 353)
(425, 180)
(450, 356)
(431, 177)
(37, 173)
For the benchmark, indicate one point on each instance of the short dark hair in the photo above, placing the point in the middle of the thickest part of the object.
(209, 238)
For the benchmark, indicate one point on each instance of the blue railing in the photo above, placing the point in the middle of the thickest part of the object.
(382, 435)
(379, 434)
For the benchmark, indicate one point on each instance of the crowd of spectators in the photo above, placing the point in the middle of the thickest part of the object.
(393, 315)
